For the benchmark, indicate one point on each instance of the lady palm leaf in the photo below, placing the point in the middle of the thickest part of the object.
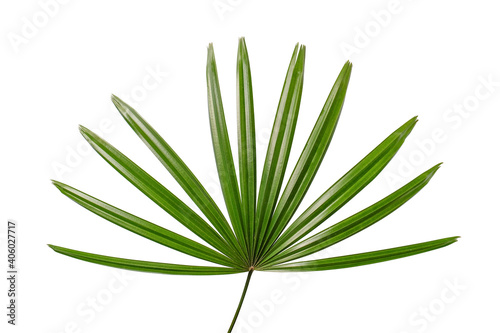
(260, 234)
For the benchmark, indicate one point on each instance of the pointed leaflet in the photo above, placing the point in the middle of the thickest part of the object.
(142, 227)
(177, 168)
(361, 259)
(246, 142)
(156, 192)
(280, 143)
(311, 157)
(357, 222)
(144, 266)
(344, 189)
(222, 148)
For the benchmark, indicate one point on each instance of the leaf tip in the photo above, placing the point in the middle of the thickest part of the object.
(53, 247)
(55, 182)
(211, 65)
(210, 49)
(60, 186)
(116, 100)
(348, 67)
(432, 171)
(86, 133)
(451, 240)
(122, 107)
(437, 166)
(407, 127)
(82, 128)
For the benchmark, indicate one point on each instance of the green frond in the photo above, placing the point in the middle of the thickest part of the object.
(260, 234)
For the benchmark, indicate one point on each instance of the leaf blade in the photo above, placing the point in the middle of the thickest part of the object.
(177, 168)
(142, 227)
(310, 158)
(156, 192)
(222, 149)
(344, 189)
(144, 266)
(280, 143)
(246, 143)
(365, 258)
(357, 222)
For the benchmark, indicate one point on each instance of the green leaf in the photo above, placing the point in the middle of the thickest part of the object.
(361, 259)
(310, 159)
(156, 192)
(280, 143)
(142, 227)
(357, 222)
(246, 143)
(344, 189)
(178, 169)
(144, 266)
(222, 149)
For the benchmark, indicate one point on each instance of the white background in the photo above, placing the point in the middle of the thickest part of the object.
(424, 58)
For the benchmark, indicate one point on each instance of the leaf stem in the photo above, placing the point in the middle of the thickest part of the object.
(241, 300)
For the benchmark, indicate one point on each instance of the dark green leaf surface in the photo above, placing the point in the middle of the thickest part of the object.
(310, 159)
(357, 222)
(246, 143)
(156, 192)
(280, 143)
(261, 234)
(144, 266)
(361, 259)
(344, 189)
(143, 228)
(178, 169)
(222, 149)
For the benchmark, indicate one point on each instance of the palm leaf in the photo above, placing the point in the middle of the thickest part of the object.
(261, 234)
